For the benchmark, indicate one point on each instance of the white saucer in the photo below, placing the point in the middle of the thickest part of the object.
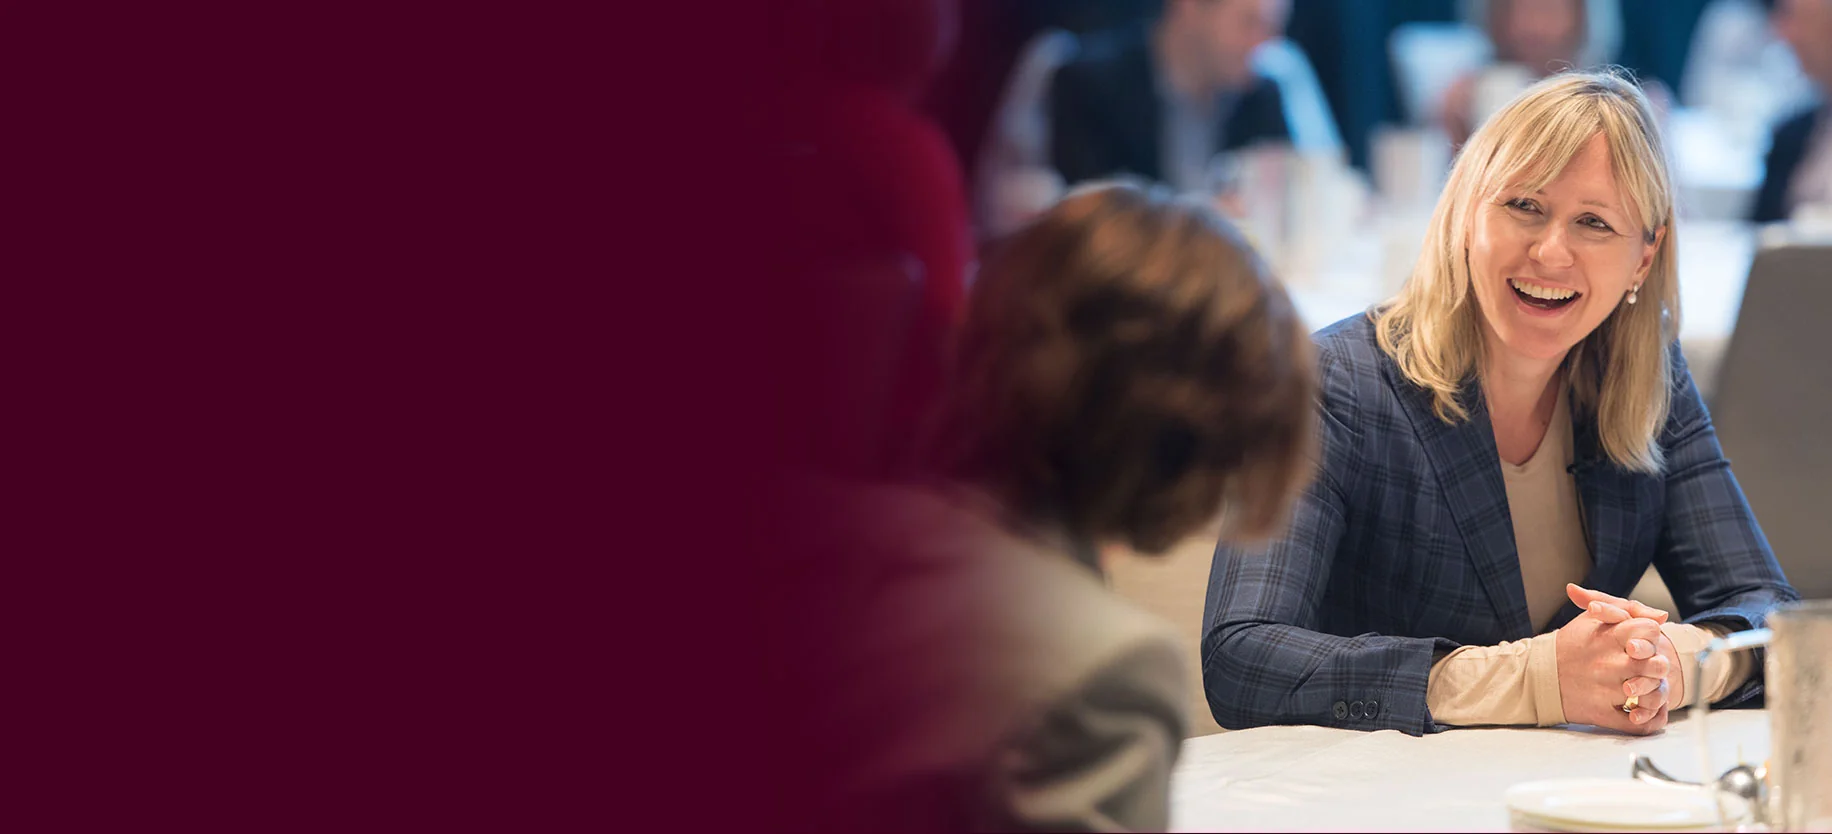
(1620, 805)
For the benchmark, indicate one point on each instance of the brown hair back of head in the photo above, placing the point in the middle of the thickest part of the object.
(1129, 369)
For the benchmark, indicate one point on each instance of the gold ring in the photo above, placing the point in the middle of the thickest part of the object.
(1629, 705)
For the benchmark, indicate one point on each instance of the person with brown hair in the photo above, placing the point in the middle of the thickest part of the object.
(1130, 374)
(1129, 367)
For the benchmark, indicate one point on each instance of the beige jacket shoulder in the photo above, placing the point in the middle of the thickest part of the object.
(1018, 675)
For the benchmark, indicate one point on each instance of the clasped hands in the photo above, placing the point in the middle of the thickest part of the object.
(1613, 655)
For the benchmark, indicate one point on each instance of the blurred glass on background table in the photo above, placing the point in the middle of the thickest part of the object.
(1717, 163)
(1798, 671)
(1294, 207)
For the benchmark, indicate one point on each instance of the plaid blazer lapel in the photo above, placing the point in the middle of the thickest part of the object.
(1468, 468)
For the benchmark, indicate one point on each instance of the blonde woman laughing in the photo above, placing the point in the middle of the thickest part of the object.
(1506, 447)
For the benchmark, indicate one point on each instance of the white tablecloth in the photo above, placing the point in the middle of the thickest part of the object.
(1322, 779)
(1350, 274)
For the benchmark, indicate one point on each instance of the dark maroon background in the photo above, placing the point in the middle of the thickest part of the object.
(390, 387)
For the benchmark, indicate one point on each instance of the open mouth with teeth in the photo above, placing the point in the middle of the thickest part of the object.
(1542, 297)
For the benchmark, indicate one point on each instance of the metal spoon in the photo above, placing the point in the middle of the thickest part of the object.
(1745, 780)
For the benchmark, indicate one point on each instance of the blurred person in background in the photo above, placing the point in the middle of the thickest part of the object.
(1160, 101)
(1799, 167)
(871, 221)
(1532, 39)
(992, 97)
(1129, 374)
(1738, 68)
(1508, 445)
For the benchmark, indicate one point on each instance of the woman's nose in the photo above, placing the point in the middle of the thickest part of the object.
(1552, 249)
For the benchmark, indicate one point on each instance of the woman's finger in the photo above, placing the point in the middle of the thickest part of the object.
(1638, 628)
(1639, 686)
(1654, 667)
(1660, 697)
(1660, 720)
(1608, 613)
(1650, 705)
(1583, 597)
(1648, 611)
(1618, 720)
(1640, 649)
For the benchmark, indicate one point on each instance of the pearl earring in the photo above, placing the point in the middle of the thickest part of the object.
(1634, 294)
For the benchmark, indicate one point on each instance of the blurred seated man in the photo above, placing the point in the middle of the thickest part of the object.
(1532, 39)
(1161, 101)
(1799, 171)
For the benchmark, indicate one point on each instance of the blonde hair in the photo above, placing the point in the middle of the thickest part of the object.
(1432, 328)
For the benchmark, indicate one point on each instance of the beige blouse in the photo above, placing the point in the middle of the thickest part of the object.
(1517, 682)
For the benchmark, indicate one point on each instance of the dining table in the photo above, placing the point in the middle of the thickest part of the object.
(1291, 778)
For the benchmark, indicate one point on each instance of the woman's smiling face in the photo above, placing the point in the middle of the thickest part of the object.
(1550, 265)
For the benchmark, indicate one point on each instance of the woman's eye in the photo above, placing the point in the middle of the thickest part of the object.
(1596, 223)
(1523, 204)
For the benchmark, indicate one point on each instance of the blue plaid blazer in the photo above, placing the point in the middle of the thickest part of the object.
(1402, 549)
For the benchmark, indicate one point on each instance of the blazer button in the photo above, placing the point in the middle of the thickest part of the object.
(1373, 710)
(1341, 710)
(1357, 710)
